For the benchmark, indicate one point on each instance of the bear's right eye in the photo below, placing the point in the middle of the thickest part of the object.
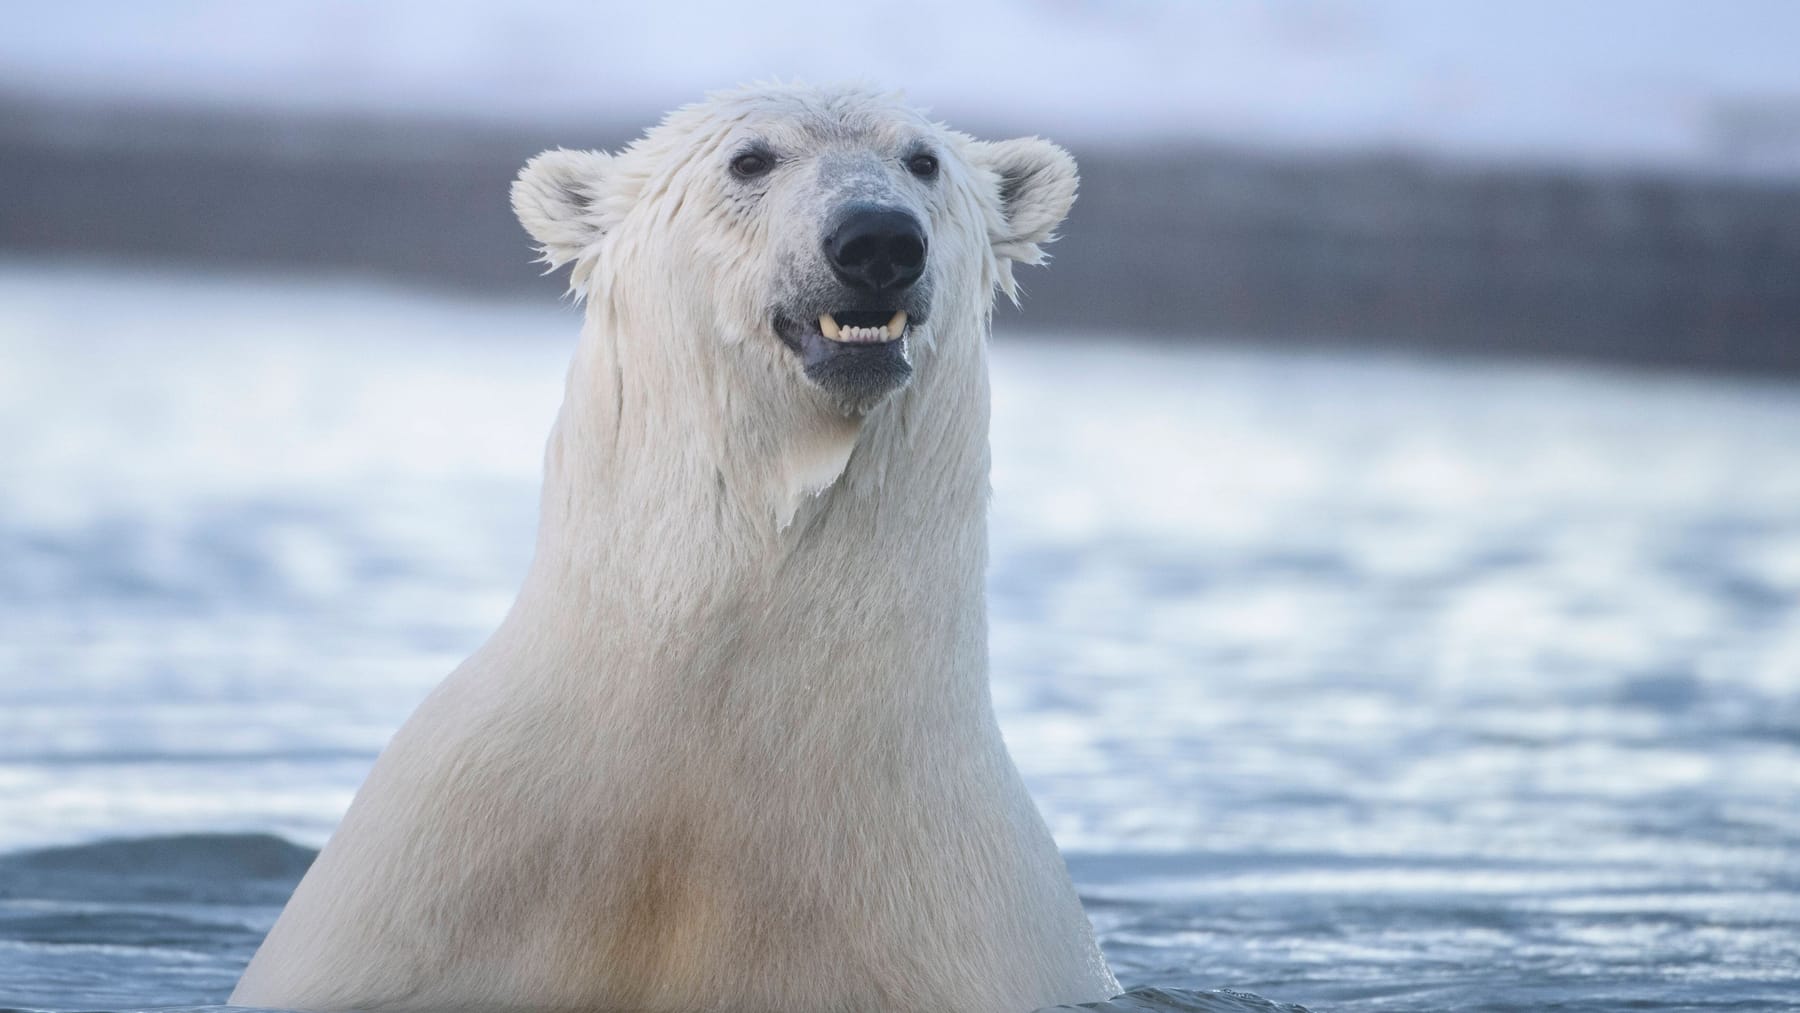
(751, 164)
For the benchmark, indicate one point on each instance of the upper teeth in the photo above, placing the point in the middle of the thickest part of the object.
(895, 327)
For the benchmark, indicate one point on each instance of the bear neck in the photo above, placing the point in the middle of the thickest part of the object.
(768, 556)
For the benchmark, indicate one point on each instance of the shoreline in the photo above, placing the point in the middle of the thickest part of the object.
(1371, 250)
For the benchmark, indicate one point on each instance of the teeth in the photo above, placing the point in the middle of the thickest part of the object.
(892, 330)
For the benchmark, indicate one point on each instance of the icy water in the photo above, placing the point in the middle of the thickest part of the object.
(1359, 683)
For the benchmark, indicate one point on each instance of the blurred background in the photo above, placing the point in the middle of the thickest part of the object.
(1612, 181)
(1396, 579)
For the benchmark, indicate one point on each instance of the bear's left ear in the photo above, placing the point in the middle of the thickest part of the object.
(559, 198)
(1036, 187)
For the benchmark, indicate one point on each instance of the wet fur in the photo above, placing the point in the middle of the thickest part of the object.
(732, 748)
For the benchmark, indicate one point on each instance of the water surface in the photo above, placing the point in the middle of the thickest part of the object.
(1361, 683)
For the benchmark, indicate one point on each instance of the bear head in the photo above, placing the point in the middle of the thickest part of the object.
(833, 235)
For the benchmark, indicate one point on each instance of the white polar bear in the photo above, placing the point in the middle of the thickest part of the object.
(733, 746)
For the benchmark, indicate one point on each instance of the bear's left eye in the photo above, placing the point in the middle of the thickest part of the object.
(751, 164)
(923, 166)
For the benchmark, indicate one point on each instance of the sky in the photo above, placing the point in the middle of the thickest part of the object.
(1660, 82)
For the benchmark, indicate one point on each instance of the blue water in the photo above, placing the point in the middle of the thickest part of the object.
(1359, 683)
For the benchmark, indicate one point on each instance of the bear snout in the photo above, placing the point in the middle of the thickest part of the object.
(877, 249)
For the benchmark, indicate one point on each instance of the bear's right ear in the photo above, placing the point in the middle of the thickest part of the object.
(559, 199)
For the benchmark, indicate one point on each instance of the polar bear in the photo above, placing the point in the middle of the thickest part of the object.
(732, 748)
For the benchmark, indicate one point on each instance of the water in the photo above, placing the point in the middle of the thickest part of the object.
(1359, 683)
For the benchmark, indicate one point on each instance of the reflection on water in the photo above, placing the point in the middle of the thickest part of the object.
(1365, 684)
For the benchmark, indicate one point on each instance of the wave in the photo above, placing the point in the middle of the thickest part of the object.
(246, 856)
(1177, 1000)
(216, 868)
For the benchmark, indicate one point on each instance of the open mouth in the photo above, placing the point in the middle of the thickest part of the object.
(863, 327)
(859, 356)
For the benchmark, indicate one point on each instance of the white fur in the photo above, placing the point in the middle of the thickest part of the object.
(733, 747)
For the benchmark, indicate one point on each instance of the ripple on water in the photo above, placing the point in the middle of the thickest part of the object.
(1371, 684)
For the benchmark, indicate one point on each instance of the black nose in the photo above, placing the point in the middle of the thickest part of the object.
(877, 248)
